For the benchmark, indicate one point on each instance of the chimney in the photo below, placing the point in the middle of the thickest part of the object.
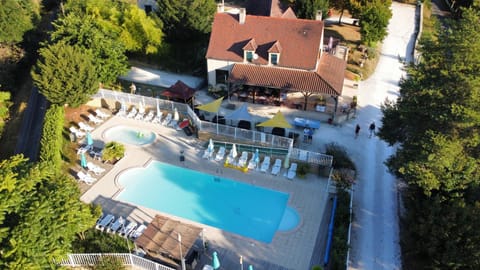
(318, 16)
(220, 8)
(241, 15)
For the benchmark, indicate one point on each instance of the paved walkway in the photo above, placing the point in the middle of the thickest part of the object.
(288, 250)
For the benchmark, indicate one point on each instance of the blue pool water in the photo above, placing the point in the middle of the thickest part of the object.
(229, 205)
(129, 135)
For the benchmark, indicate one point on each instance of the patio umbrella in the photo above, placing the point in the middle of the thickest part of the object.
(213, 107)
(234, 150)
(250, 267)
(215, 261)
(210, 145)
(176, 117)
(89, 140)
(83, 160)
(159, 113)
(278, 120)
(140, 107)
(286, 163)
(256, 156)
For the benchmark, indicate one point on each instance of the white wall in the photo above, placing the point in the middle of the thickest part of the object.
(213, 65)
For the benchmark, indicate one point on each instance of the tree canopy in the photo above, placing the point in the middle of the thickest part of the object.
(16, 18)
(307, 9)
(66, 74)
(374, 19)
(436, 123)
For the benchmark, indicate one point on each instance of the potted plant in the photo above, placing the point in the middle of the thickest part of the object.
(113, 152)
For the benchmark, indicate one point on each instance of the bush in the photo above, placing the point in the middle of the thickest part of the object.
(96, 241)
(341, 160)
(340, 234)
(108, 263)
(303, 169)
(113, 151)
(51, 141)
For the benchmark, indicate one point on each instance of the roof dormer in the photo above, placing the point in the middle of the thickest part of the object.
(274, 53)
(249, 51)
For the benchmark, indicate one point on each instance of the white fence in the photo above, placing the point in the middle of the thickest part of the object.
(85, 259)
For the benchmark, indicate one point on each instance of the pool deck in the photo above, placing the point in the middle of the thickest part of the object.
(288, 250)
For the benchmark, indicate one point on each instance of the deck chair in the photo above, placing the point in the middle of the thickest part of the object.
(149, 116)
(140, 114)
(117, 225)
(231, 157)
(132, 113)
(125, 231)
(292, 172)
(139, 231)
(252, 164)
(86, 178)
(107, 220)
(167, 119)
(208, 154)
(85, 127)
(94, 119)
(95, 169)
(220, 153)
(265, 164)
(157, 119)
(277, 166)
(101, 114)
(242, 161)
(78, 133)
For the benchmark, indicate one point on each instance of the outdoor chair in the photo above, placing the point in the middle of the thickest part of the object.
(149, 116)
(157, 119)
(231, 157)
(167, 119)
(101, 114)
(86, 178)
(292, 172)
(94, 119)
(78, 133)
(208, 154)
(277, 166)
(85, 127)
(252, 164)
(107, 220)
(133, 112)
(97, 170)
(265, 164)
(117, 225)
(125, 231)
(139, 231)
(220, 154)
(242, 161)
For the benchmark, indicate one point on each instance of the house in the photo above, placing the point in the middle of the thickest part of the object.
(278, 54)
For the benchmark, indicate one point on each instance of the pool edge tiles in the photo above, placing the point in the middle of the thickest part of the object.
(232, 206)
(135, 136)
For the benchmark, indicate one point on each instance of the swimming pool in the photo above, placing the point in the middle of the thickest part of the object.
(229, 205)
(129, 135)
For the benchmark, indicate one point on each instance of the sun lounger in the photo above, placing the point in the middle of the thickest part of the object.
(85, 127)
(117, 225)
(157, 119)
(94, 119)
(231, 157)
(78, 133)
(101, 114)
(139, 231)
(140, 115)
(277, 166)
(208, 154)
(292, 172)
(102, 224)
(133, 112)
(252, 164)
(265, 164)
(97, 170)
(167, 119)
(86, 178)
(122, 113)
(126, 230)
(242, 161)
(220, 154)
(149, 116)
(83, 149)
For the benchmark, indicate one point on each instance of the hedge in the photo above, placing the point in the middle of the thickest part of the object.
(51, 141)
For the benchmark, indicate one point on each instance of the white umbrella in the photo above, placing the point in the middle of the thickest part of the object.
(234, 150)
(123, 106)
(210, 145)
(176, 117)
(159, 113)
(140, 107)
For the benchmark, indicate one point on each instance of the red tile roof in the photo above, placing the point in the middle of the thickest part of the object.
(300, 39)
(289, 79)
(332, 70)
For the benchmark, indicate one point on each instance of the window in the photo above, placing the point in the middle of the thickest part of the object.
(274, 59)
(249, 56)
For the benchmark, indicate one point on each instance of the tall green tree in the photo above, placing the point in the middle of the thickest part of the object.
(40, 215)
(374, 19)
(307, 9)
(66, 74)
(16, 18)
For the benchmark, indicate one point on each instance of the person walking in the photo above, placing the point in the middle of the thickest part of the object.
(357, 130)
(372, 129)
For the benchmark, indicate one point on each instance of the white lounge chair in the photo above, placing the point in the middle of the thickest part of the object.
(242, 161)
(77, 132)
(220, 154)
(132, 113)
(208, 154)
(231, 157)
(140, 114)
(265, 164)
(117, 225)
(97, 170)
(292, 172)
(105, 222)
(167, 119)
(122, 113)
(157, 119)
(139, 231)
(149, 116)
(101, 114)
(83, 149)
(94, 119)
(125, 231)
(85, 127)
(252, 164)
(86, 178)
(277, 166)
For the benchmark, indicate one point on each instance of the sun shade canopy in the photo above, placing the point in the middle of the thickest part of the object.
(278, 120)
(212, 107)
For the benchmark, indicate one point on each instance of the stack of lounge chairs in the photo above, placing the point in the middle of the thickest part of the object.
(122, 226)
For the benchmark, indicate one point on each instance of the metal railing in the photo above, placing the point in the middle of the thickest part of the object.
(311, 157)
(84, 259)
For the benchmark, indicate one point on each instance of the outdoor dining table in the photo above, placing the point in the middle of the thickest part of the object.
(303, 122)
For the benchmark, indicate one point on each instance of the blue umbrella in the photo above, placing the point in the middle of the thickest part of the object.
(89, 139)
(216, 262)
(83, 160)
(256, 157)
(250, 267)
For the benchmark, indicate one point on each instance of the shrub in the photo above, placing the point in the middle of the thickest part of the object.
(5, 104)
(344, 178)
(51, 141)
(96, 241)
(108, 263)
(340, 234)
(303, 169)
(341, 160)
(113, 151)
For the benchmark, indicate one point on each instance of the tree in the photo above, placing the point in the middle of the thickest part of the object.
(66, 74)
(40, 214)
(307, 9)
(5, 104)
(374, 19)
(16, 18)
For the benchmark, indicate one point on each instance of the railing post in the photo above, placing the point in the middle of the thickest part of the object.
(72, 263)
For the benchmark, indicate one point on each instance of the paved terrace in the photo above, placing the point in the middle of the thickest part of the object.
(288, 250)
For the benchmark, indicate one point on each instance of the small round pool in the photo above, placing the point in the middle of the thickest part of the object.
(129, 135)
(290, 220)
